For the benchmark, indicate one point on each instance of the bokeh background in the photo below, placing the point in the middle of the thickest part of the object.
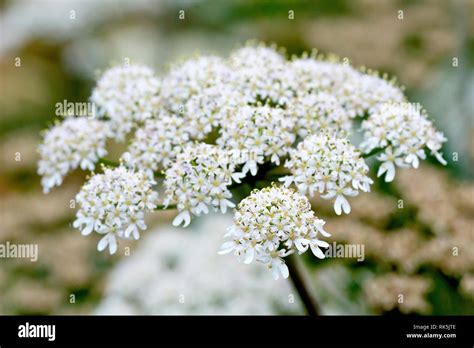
(62, 45)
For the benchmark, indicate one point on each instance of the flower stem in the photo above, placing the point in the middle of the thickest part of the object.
(301, 286)
(169, 207)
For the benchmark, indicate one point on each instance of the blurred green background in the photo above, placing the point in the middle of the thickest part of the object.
(62, 45)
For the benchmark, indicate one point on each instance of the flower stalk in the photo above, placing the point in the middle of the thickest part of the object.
(301, 286)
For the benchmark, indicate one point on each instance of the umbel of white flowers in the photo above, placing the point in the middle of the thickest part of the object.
(213, 126)
(271, 224)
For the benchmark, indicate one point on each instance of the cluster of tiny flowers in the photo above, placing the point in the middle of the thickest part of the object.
(76, 142)
(271, 224)
(206, 110)
(312, 75)
(359, 93)
(314, 112)
(198, 179)
(330, 165)
(113, 204)
(367, 93)
(261, 132)
(211, 121)
(157, 144)
(126, 95)
(190, 78)
(261, 74)
(404, 131)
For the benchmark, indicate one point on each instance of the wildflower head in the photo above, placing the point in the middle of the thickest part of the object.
(189, 78)
(271, 224)
(264, 133)
(157, 143)
(199, 180)
(329, 165)
(404, 132)
(113, 204)
(76, 142)
(126, 95)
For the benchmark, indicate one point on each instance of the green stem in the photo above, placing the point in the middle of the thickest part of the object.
(301, 286)
(163, 207)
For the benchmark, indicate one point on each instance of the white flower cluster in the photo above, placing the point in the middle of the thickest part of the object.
(356, 91)
(113, 204)
(191, 78)
(261, 74)
(199, 179)
(210, 121)
(76, 142)
(404, 131)
(367, 93)
(259, 133)
(156, 144)
(126, 95)
(178, 272)
(312, 75)
(330, 165)
(210, 108)
(314, 112)
(271, 224)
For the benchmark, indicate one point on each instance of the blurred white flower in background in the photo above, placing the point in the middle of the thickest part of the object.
(63, 20)
(177, 271)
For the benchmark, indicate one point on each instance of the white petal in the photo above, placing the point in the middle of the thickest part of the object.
(337, 205)
(321, 243)
(316, 251)
(275, 273)
(104, 241)
(329, 195)
(184, 216)
(390, 173)
(345, 204)
(382, 169)
(287, 180)
(284, 270)
(440, 158)
(253, 168)
(237, 176)
(88, 229)
(249, 254)
(323, 231)
(226, 248)
(112, 245)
